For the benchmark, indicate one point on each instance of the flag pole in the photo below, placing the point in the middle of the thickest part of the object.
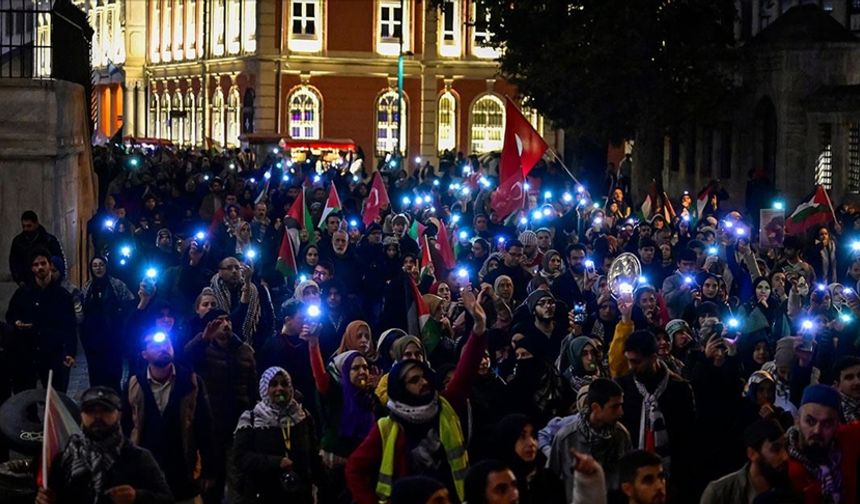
(45, 429)
(830, 204)
(555, 155)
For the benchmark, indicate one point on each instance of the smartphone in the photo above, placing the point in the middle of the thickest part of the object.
(579, 313)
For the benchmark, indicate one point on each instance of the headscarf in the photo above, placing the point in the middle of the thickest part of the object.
(356, 416)
(349, 341)
(751, 387)
(267, 414)
(507, 431)
(544, 267)
(574, 354)
(384, 347)
(402, 342)
(299, 293)
(483, 272)
(60, 264)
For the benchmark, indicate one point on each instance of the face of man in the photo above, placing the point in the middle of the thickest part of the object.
(409, 264)
(41, 268)
(646, 254)
(640, 365)
(544, 240)
(416, 384)
(321, 274)
(340, 242)
(99, 422)
(260, 211)
(333, 299)
(687, 267)
(513, 256)
(608, 414)
(332, 223)
(158, 354)
(545, 309)
(849, 382)
(230, 271)
(375, 237)
(164, 240)
(644, 231)
(29, 227)
(771, 461)
(648, 486)
(501, 488)
(293, 325)
(817, 426)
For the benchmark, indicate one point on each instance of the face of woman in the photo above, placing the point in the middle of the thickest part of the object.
(233, 214)
(765, 393)
(648, 302)
(444, 292)
(99, 268)
(206, 303)
(362, 339)
(312, 257)
(413, 352)
(760, 353)
(762, 290)
(359, 372)
(280, 390)
(311, 294)
(710, 288)
(606, 310)
(664, 347)
(526, 445)
(589, 358)
(554, 263)
(506, 289)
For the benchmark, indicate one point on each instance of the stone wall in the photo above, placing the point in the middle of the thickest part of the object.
(45, 166)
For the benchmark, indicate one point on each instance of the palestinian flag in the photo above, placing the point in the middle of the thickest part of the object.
(287, 256)
(59, 426)
(415, 231)
(418, 319)
(650, 204)
(299, 212)
(332, 204)
(815, 210)
(703, 197)
(426, 258)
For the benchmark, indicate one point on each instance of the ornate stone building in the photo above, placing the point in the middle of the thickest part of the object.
(201, 71)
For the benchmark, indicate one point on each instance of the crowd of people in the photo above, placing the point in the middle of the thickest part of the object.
(438, 351)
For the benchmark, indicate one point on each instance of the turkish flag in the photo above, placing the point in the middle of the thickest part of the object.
(377, 198)
(522, 149)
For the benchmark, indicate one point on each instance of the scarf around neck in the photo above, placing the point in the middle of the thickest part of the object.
(91, 460)
(224, 301)
(653, 436)
(828, 475)
(414, 414)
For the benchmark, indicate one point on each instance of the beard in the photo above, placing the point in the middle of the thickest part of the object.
(103, 434)
(777, 477)
(163, 360)
(578, 268)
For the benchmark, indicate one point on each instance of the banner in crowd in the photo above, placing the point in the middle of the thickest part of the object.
(772, 231)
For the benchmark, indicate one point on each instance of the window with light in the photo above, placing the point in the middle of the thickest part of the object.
(488, 124)
(449, 29)
(386, 124)
(305, 26)
(234, 117)
(177, 124)
(391, 27)
(154, 114)
(304, 112)
(482, 33)
(164, 117)
(190, 137)
(218, 117)
(447, 135)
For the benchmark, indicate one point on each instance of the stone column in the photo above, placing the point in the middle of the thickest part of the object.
(427, 129)
(267, 99)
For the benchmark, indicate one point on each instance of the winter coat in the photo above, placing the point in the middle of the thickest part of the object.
(22, 249)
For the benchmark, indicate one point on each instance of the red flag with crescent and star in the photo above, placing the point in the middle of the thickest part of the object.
(376, 199)
(522, 149)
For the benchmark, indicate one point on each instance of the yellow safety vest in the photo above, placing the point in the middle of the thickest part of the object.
(451, 435)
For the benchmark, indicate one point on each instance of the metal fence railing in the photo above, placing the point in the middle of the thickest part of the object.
(25, 38)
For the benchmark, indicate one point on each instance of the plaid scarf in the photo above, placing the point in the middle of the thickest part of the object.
(591, 435)
(222, 298)
(829, 475)
(850, 409)
(653, 436)
(91, 460)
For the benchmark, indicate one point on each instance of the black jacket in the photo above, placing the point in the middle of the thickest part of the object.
(52, 312)
(24, 245)
(135, 467)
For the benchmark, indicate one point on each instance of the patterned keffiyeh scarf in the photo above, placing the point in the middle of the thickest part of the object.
(829, 475)
(653, 436)
(91, 460)
(850, 408)
(591, 434)
(222, 298)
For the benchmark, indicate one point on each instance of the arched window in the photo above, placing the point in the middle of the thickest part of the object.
(164, 114)
(218, 117)
(488, 124)
(304, 113)
(387, 124)
(154, 130)
(447, 118)
(234, 117)
(177, 124)
(199, 134)
(190, 137)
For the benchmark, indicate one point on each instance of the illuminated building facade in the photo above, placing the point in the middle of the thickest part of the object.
(209, 70)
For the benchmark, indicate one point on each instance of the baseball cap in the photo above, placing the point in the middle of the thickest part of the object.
(104, 396)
